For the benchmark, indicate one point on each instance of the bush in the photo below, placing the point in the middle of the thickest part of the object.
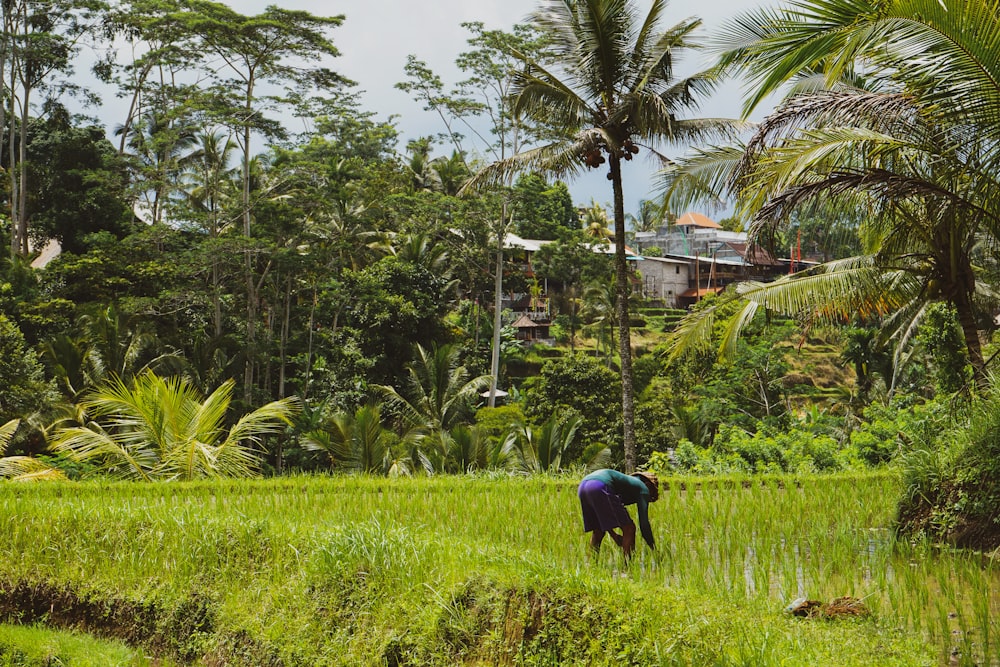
(577, 385)
(768, 450)
(952, 484)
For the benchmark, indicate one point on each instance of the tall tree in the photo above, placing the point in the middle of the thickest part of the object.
(79, 184)
(611, 89)
(38, 41)
(153, 61)
(491, 65)
(277, 46)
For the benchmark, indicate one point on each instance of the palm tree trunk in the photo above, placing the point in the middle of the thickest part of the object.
(624, 338)
(967, 320)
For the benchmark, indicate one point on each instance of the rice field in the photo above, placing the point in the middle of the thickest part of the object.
(488, 570)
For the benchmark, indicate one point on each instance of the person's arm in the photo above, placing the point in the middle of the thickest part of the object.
(642, 509)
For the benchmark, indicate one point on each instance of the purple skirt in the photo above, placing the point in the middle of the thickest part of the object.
(602, 508)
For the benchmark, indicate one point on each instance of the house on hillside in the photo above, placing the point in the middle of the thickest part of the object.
(691, 234)
(532, 310)
(697, 257)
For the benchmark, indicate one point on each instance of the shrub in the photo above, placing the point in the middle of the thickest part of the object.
(952, 484)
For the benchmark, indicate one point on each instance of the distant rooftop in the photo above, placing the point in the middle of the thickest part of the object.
(692, 219)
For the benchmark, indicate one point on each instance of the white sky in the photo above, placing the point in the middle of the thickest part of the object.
(377, 36)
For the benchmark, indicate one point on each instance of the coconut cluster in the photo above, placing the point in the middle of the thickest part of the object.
(594, 157)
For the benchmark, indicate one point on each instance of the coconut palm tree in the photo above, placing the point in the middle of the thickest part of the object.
(610, 92)
(108, 343)
(420, 166)
(596, 225)
(649, 217)
(452, 172)
(470, 449)
(158, 143)
(912, 146)
(357, 442)
(163, 429)
(599, 308)
(437, 398)
(542, 448)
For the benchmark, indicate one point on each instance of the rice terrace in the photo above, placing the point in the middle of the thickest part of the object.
(484, 570)
(529, 333)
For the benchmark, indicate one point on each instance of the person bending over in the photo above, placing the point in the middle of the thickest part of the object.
(603, 497)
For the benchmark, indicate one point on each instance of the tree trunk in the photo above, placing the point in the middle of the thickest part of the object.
(4, 47)
(283, 338)
(967, 320)
(22, 186)
(624, 338)
(497, 310)
(251, 332)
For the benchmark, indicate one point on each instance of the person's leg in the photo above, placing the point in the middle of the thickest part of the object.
(596, 538)
(628, 539)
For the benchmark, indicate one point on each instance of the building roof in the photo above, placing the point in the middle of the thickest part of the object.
(693, 292)
(692, 219)
(754, 254)
(525, 322)
(704, 259)
(665, 260)
(512, 241)
(46, 254)
(515, 241)
(499, 393)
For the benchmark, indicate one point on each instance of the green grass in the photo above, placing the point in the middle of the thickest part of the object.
(31, 646)
(485, 570)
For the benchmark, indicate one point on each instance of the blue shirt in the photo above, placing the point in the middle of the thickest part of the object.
(632, 491)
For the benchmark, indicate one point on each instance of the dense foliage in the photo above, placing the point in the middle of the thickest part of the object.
(205, 248)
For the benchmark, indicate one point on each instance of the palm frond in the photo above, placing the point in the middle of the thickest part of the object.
(28, 469)
(562, 158)
(701, 178)
(117, 459)
(834, 292)
(7, 433)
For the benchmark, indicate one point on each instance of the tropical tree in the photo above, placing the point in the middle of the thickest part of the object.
(470, 448)
(542, 449)
(599, 308)
(159, 428)
(357, 442)
(108, 343)
(649, 216)
(38, 43)
(419, 165)
(158, 142)
(271, 47)
(23, 387)
(609, 91)
(438, 397)
(596, 225)
(209, 190)
(492, 66)
(907, 147)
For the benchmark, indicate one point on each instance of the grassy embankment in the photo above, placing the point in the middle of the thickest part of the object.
(354, 571)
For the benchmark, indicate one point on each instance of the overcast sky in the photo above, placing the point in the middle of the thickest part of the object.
(377, 36)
